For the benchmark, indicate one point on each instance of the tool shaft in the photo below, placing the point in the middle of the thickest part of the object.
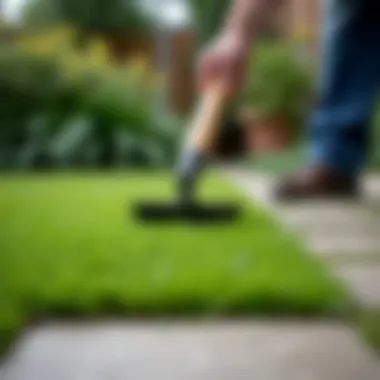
(204, 126)
(203, 130)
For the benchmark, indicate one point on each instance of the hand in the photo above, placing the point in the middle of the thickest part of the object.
(225, 60)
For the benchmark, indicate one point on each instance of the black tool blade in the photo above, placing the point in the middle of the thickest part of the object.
(171, 212)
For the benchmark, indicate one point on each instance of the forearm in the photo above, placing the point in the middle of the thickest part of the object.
(247, 17)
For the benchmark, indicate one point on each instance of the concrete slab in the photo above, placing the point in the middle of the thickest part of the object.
(363, 281)
(359, 246)
(372, 187)
(342, 231)
(329, 227)
(201, 351)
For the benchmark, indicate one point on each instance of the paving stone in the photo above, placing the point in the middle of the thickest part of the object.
(333, 213)
(347, 231)
(364, 282)
(328, 227)
(201, 351)
(344, 245)
(315, 223)
(372, 187)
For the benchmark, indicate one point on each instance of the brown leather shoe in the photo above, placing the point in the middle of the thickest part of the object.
(317, 182)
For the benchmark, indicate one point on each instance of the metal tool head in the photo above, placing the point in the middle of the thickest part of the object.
(194, 212)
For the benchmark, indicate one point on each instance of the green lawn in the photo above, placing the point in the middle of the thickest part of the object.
(369, 323)
(69, 246)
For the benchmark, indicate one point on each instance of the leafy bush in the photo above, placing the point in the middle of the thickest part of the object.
(60, 110)
(279, 83)
(207, 16)
(88, 15)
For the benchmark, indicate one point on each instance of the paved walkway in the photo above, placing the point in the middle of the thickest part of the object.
(193, 351)
(345, 235)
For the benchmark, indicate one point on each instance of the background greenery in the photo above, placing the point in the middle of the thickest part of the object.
(278, 83)
(208, 16)
(89, 16)
(62, 107)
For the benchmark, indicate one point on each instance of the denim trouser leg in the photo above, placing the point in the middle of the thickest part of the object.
(349, 79)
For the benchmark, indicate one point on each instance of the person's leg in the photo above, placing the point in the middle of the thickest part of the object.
(350, 73)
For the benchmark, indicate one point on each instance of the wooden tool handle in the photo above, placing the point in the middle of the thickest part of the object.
(206, 120)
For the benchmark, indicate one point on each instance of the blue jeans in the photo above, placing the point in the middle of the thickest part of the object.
(339, 126)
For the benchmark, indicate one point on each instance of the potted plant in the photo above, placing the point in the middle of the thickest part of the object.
(275, 98)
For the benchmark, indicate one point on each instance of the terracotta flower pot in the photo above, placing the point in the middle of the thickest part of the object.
(265, 134)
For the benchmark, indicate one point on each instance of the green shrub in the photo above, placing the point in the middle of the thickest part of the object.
(50, 116)
(279, 84)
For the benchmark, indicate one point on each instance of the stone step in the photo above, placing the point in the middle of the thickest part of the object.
(345, 232)
(372, 187)
(359, 245)
(188, 351)
(329, 227)
(364, 282)
(260, 187)
(334, 214)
